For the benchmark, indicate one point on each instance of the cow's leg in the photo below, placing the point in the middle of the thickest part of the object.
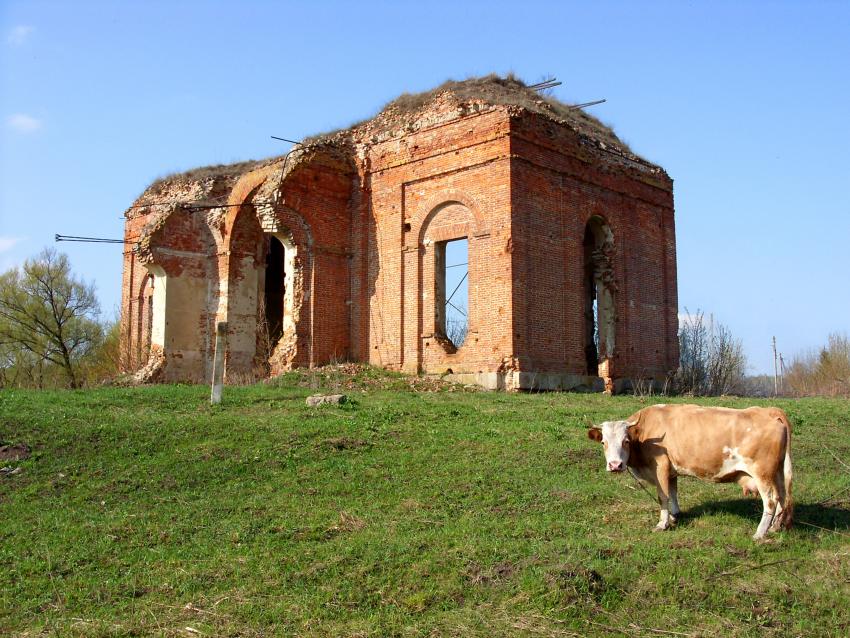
(662, 484)
(779, 479)
(674, 498)
(769, 497)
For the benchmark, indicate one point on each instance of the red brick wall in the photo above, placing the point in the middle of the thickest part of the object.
(557, 185)
(321, 195)
(444, 182)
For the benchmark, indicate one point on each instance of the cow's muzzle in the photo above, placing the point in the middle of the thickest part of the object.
(616, 466)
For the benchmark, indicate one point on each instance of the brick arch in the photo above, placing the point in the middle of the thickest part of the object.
(442, 200)
(245, 188)
(469, 223)
(611, 221)
(144, 320)
(295, 346)
(278, 219)
(253, 215)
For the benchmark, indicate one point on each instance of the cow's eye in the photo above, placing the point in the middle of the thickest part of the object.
(626, 443)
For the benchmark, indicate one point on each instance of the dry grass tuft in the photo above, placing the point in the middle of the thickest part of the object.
(489, 89)
(509, 90)
(214, 171)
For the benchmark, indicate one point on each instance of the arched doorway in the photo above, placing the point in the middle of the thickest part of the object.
(600, 318)
(268, 331)
(276, 317)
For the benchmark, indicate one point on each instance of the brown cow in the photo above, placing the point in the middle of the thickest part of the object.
(662, 442)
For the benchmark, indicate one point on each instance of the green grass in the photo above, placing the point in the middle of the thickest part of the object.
(145, 511)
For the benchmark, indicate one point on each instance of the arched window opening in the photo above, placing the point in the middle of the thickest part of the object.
(275, 289)
(599, 288)
(156, 306)
(451, 270)
(145, 320)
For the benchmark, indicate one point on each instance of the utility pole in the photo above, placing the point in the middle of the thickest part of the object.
(775, 370)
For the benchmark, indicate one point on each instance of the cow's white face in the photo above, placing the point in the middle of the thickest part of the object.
(614, 436)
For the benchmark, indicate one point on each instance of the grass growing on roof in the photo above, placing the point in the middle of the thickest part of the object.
(145, 511)
(510, 90)
(213, 171)
(490, 89)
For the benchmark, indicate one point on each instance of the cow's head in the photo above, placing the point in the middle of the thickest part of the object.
(616, 437)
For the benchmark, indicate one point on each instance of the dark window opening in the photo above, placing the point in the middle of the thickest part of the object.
(600, 316)
(275, 289)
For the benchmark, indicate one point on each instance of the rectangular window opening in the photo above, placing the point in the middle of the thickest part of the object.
(452, 287)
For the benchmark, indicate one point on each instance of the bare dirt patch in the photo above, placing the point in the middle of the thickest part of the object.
(583, 456)
(345, 443)
(575, 582)
(16, 452)
(476, 575)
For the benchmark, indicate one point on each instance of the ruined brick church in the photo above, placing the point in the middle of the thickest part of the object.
(337, 251)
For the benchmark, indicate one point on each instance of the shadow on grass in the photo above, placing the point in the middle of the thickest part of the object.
(808, 517)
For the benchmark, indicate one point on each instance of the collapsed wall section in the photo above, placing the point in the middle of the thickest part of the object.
(169, 288)
(200, 250)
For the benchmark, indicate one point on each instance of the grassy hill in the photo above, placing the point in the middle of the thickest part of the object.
(409, 511)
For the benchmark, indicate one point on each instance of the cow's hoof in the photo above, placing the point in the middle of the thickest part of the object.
(660, 528)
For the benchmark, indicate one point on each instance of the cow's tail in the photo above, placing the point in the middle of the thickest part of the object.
(788, 505)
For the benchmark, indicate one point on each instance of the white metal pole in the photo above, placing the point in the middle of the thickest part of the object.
(218, 362)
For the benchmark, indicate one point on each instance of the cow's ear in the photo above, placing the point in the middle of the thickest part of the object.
(594, 434)
(633, 431)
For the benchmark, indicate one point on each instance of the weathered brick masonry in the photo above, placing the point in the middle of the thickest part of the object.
(332, 252)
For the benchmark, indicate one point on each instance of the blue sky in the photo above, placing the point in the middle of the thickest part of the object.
(745, 104)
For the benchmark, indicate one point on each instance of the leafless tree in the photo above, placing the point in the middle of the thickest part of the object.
(48, 313)
(712, 361)
(456, 328)
(822, 372)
